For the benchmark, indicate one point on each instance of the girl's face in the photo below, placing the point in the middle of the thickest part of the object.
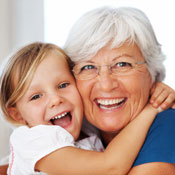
(52, 97)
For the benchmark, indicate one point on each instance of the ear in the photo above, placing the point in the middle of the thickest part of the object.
(13, 112)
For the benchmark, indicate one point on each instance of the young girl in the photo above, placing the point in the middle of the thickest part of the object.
(39, 92)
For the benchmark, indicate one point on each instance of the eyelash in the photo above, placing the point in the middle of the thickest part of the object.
(123, 63)
(35, 97)
(87, 67)
(118, 64)
(63, 85)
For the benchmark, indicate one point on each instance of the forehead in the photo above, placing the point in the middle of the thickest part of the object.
(107, 53)
(53, 69)
(54, 60)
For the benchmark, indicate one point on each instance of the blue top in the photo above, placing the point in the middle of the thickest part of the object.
(159, 145)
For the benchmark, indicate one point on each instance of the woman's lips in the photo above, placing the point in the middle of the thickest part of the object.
(109, 104)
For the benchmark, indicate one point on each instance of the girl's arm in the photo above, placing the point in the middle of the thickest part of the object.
(118, 156)
(116, 159)
(162, 95)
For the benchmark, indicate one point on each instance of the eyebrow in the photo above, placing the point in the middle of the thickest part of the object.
(115, 58)
(122, 55)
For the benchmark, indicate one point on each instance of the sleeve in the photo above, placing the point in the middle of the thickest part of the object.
(28, 145)
(159, 145)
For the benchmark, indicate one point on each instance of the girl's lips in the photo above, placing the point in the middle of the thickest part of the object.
(60, 116)
(64, 120)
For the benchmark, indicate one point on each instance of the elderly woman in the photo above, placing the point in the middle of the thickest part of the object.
(117, 60)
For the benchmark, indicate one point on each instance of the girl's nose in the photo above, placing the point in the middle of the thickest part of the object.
(55, 100)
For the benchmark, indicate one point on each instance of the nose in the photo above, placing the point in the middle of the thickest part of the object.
(106, 80)
(55, 100)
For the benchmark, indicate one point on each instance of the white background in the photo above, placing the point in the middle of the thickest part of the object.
(61, 15)
(22, 21)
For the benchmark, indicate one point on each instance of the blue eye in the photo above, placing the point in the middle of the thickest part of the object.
(121, 67)
(87, 67)
(63, 85)
(35, 97)
(123, 64)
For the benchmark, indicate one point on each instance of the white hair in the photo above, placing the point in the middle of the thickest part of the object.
(99, 27)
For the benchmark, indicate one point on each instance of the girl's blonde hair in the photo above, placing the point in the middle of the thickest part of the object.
(18, 73)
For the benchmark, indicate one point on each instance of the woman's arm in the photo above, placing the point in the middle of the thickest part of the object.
(116, 159)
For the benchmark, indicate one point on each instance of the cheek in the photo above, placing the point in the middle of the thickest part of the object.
(138, 83)
(78, 104)
(73, 95)
(30, 112)
(138, 88)
(84, 88)
(81, 87)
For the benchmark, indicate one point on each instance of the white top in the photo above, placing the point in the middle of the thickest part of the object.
(28, 145)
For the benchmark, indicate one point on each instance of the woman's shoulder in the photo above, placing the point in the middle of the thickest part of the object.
(170, 112)
(160, 143)
(166, 118)
(164, 124)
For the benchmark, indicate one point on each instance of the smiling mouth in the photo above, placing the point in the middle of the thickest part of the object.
(110, 103)
(62, 120)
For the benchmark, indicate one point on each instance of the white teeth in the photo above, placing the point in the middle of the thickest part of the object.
(60, 116)
(109, 101)
(104, 107)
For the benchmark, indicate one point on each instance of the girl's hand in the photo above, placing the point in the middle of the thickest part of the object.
(162, 96)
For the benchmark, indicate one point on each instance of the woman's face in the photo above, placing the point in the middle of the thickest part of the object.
(112, 101)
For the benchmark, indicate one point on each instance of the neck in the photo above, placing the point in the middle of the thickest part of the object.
(107, 137)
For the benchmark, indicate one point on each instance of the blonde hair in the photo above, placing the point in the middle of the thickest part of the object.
(18, 73)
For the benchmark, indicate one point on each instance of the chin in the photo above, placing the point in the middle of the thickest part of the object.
(111, 130)
(111, 126)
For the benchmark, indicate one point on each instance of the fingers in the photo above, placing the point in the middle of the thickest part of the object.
(161, 99)
(159, 109)
(173, 106)
(163, 96)
(165, 102)
(156, 97)
(169, 102)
